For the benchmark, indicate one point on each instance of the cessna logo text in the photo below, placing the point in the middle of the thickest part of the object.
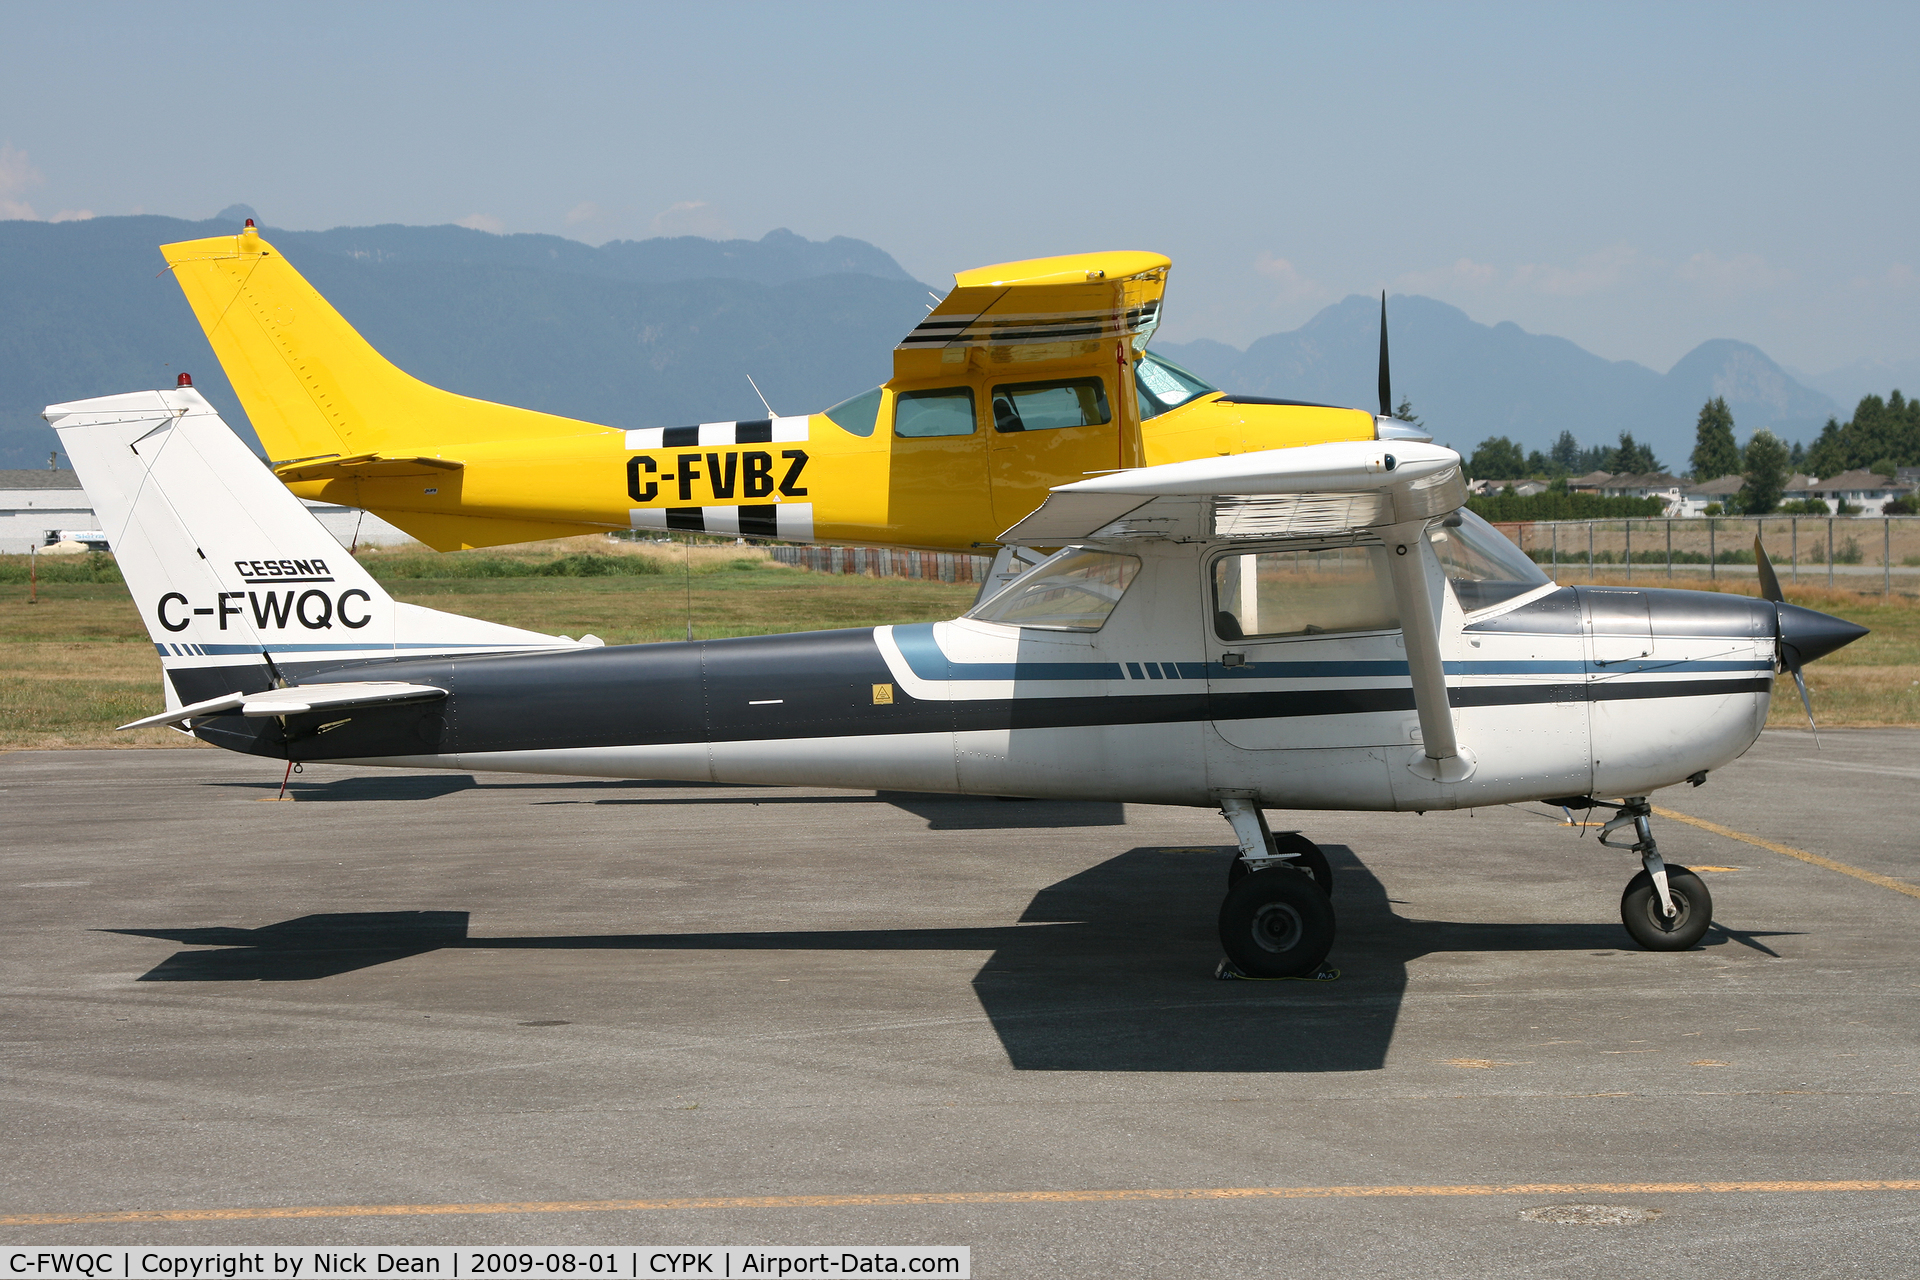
(279, 571)
(724, 475)
(312, 609)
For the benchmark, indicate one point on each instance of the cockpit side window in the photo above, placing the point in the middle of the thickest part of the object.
(858, 415)
(1276, 594)
(1046, 406)
(1164, 385)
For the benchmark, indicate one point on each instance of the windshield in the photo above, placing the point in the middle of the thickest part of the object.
(1074, 590)
(1164, 385)
(1484, 567)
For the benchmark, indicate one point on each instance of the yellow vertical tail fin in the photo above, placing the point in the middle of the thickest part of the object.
(312, 386)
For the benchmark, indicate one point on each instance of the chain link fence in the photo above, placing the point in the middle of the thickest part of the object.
(883, 562)
(1853, 552)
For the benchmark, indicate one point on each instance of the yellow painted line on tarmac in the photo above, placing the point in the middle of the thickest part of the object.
(1845, 869)
(913, 1198)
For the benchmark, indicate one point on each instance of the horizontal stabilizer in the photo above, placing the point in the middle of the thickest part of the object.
(294, 699)
(361, 466)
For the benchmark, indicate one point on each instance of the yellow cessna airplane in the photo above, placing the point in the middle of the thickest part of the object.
(1027, 375)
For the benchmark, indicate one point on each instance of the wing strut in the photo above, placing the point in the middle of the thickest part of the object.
(1444, 760)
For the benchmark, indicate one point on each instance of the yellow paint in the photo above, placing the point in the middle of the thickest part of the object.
(1845, 869)
(912, 1198)
(343, 424)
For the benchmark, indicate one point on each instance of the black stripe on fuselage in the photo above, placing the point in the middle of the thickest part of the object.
(809, 685)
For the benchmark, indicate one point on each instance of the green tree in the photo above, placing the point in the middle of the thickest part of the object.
(1565, 454)
(1632, 458)
(1880, 429)
(1798, 458)
(1497, 458)
(1766, 473)
(1714, 452)
(1405, 412)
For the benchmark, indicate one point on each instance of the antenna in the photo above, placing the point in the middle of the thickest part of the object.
(763, 399)
(1386, 382)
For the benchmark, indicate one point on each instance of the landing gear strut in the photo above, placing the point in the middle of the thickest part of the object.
(1277, 920)
(1665, 908)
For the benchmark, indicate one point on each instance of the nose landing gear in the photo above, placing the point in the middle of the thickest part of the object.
(1277, 920)
(1665, 908)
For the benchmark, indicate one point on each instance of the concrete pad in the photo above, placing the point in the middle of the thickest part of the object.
(426, 989)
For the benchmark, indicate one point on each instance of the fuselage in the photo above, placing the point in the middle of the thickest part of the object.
(1026, 376)
(1556, 691)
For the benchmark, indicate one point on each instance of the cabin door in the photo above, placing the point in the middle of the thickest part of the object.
(1047, 431)
(1307, 650)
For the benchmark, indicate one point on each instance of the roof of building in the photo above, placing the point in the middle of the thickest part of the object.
(1591, 480)
(1645, 480)
(41, 479)
(1860, 479)
(1718, 488)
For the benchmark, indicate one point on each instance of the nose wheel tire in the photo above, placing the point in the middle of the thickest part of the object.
(1654, 929)
(1310, 860)
(1276, 923)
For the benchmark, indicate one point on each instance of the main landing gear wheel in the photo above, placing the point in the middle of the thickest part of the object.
(1276, 923)
(1651, 927)
(1310, 861)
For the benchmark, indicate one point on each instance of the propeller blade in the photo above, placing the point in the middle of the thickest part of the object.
(1807, 702)
(1386, 382)
(1769, 581)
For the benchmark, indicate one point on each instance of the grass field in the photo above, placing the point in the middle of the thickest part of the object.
(79, 662)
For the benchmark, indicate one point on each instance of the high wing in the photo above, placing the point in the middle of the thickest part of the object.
(1391, 488)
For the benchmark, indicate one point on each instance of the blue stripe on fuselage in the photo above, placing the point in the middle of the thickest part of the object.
(929, 662)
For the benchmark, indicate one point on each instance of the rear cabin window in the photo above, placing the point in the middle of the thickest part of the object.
(947, 411)
(1048, 406)
(1073, 590)
(858, 415)
(1275, 594)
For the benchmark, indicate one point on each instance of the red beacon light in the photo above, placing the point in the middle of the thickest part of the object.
(249, 221)
(184, 380)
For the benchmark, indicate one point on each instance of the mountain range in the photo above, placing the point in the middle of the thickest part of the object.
(632, 334)
(665, 331)
(1468, 381)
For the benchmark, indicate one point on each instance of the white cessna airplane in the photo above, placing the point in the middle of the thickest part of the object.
(1309, 628)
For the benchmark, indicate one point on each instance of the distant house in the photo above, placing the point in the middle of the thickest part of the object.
(1651, 484)
(1494, 488)
(1589, 483)
(1695, 499)
(1863, 489)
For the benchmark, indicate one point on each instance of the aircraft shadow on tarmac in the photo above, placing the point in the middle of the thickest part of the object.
(1107, 970)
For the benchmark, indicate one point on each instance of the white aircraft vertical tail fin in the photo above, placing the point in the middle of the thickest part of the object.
(240, 587)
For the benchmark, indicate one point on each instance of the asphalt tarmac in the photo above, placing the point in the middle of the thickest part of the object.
(849, 1018)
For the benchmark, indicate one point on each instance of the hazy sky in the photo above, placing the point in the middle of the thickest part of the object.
(1635, 178)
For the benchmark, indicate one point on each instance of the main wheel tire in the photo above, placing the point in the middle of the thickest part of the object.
(1276, 923)
(1692, 911)
(1310, 861)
